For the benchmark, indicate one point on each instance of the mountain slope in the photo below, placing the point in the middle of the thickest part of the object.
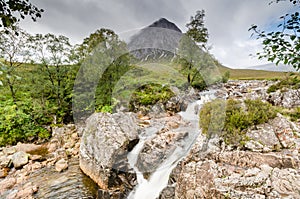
(156, 41)
(273, 67)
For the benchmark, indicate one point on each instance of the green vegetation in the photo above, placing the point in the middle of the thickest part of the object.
(292, 113)
(150, 94)
(20, 124)
(248, 74)
(290, 82)
(232, 118)
(283, 44)
(9, 8)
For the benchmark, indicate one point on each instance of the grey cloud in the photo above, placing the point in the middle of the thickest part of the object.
(227, 20)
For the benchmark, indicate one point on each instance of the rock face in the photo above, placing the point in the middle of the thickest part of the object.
(164, 23)
(157, 41)
(156, 150)
(104, 146)
(276, 134)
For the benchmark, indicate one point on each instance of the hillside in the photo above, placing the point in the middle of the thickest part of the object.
(273, 67)
(247, 74)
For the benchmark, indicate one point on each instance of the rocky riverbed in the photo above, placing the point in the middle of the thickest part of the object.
(268, 166)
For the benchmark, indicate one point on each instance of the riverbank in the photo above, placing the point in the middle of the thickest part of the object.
(210, 169)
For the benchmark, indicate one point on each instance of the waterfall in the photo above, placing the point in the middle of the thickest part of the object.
(151, 188)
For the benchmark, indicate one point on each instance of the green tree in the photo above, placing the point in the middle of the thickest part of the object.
(9, 8)
(196, 28)
(14, 52)
(52, 55)
(90, 43)
(283, 44)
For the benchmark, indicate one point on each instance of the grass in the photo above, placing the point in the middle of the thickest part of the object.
(248, 74)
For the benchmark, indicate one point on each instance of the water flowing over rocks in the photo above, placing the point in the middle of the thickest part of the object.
(267, 167)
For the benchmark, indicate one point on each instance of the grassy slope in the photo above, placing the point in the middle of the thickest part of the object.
(247, 74)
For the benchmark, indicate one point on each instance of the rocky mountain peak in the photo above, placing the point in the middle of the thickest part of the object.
(164, 23)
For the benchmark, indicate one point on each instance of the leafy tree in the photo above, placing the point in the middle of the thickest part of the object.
(9, 8)
(190, 60)
(196, 29)
(282, 45)
(52, 54)
(14, 51)
(90, 43)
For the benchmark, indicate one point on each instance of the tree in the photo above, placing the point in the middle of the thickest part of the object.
(283, 44)
(89, 44)
(8, 8)
(14, 51)
(196, 29)
(52, 54)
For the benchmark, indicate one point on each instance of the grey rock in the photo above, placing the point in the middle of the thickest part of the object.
(158, 149)
(61, 165)
(104, 146)
(20, 159)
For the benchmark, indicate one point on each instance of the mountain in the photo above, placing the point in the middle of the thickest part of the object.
(164, 23)
(156, 41)
(273, 67)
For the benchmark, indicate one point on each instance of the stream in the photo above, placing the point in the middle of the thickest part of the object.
(73, 184)
(151, 188)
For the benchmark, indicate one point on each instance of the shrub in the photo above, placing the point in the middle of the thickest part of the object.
(17, 125)
(225, 77)
(291, 82)
(232, 122)
(150, 94)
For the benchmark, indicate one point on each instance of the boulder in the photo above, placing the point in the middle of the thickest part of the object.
(196, 180)
(20, 159)
(61, 165)
(27, 148)
(104, 147)
(5, 161)
(158, 149)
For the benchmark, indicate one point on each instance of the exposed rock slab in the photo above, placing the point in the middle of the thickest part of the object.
(104, 147)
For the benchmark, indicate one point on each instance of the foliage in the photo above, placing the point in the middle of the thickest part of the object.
(150, 94)
(90, 43)
(8, 9)
(13, 53)
(291, 82)
(282, 45)
(55, 81)
(232, 122)
(196, 29)
(293, 113)
(225, 77)
(19, 124)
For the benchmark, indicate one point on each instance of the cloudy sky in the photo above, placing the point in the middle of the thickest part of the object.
(227, 21)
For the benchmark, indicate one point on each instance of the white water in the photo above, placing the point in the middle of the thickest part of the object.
(150, 189)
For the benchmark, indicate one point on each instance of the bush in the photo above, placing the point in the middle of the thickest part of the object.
(17, 125)
(225, 77)
(150, 94)
(291, 82)
(232, 122)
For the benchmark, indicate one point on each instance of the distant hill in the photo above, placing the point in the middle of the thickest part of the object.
(273, 67)
(248, 74)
